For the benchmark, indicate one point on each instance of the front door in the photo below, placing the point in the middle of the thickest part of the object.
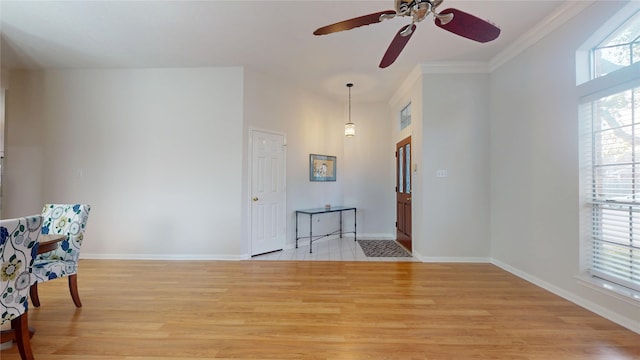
(268, 210)
(403, 193)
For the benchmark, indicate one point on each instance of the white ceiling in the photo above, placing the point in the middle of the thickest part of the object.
(272, 36)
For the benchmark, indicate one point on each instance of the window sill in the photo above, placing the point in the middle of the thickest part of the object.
(619, 292)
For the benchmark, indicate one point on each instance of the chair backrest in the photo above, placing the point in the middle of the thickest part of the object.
(18, 248)
(65, 219)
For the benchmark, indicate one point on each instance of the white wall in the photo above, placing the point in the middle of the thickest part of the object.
(455, 222)
(534, 166)
(310, 124)
(22, 182)
(156, 152)
(313, 124)
(369, 170)
(449, 131)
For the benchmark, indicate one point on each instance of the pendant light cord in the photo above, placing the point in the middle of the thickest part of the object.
(349, 85)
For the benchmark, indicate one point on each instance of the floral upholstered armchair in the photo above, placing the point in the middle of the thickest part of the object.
(18, 248)
(63, 219)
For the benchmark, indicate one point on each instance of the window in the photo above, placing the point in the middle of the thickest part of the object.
(621, 48)
(610, 123)
(405, 116)
(615, 186)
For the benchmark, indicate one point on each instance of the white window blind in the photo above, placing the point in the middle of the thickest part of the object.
(612, 127)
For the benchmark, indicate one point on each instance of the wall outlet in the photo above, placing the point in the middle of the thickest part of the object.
(442, 173)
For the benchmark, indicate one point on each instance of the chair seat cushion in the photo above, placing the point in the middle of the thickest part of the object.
(46, 269)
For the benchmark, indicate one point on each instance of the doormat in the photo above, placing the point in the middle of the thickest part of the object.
(382, 248)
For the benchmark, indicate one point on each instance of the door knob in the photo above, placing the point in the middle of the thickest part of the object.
(409, 199)
(255, 198)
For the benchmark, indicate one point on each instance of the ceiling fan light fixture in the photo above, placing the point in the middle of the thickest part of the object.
(349, 127)
(407, 30)
(444, 18)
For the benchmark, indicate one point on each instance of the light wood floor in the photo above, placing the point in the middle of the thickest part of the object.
(141, 310)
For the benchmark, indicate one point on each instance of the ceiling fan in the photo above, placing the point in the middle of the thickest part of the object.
(453, 20)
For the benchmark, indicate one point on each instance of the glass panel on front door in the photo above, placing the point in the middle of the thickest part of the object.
(407, 167)
(400, 171)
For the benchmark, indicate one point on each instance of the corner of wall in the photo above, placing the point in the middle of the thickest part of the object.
(406, 85)
(4, 78)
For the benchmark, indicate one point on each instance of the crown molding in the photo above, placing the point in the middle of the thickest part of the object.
(455, 67)
(447, 67)
(564, 13)
(567, 11)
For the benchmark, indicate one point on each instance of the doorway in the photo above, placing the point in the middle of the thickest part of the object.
(268, 196)
(403, 193)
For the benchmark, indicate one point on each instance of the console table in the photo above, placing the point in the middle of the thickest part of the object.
(320, 211)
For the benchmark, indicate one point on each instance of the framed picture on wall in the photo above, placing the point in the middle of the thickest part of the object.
(322, 167)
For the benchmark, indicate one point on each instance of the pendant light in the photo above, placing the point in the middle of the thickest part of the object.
(349, 128)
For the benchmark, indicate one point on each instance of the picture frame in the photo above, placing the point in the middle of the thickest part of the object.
(322, 167)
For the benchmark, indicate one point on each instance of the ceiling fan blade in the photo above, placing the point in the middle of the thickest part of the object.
(468, 26)
(397, 44)
(353, 23)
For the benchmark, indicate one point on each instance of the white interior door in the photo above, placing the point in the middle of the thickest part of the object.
(268, 218)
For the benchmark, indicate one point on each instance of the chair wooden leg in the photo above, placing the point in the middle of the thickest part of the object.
(21, 328)
(33, 294)
(7, 335)
(73, 289)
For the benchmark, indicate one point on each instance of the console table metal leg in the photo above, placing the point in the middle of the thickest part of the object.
(355, 225)
(296, 229)
(310, 233)
(340, 224)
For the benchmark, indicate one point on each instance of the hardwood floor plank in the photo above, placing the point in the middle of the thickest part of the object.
(166, 310)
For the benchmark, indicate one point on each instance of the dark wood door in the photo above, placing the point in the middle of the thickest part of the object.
(403, 193)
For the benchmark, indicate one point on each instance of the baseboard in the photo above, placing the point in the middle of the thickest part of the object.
(450, 259)
(305, 242)
(446, 259)
(191, 257)
(374, 236)
(591, 306)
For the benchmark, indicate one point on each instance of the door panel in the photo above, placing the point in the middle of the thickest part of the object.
(403, 193)
(268, 213)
